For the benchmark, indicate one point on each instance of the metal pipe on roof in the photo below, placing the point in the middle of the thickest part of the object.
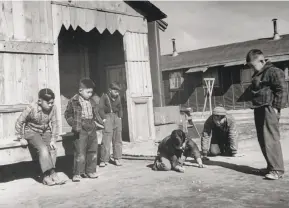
(276, 36)
(175, 53)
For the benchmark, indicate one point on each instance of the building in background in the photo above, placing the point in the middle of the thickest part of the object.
(183, 73)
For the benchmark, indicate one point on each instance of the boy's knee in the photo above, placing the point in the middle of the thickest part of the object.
(164, 165)
(43, 151)
(214, 152)
(80, 158)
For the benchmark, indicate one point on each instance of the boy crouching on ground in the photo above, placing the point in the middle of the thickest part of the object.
(173, 151)
(39, 126)
(82, 115)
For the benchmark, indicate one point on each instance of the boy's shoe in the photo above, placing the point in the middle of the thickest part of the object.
(84, 175)
(47, 180)
(274, 175)
(92, 175)
(56, 179)
(102, 164)
(76, 178)
(117, 163)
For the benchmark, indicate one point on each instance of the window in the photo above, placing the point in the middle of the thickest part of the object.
(176, 81)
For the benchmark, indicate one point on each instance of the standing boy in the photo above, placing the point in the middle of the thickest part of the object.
(269, 93)
(82, 115)
(221, 128)
(110, 110)
(39, 126)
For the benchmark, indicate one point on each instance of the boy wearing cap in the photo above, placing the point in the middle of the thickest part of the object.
(82, 115)
(173, 151)
(221, 127)
(38, 126)
(110, 110)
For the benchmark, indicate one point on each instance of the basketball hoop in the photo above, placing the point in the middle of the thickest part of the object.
(210, 86)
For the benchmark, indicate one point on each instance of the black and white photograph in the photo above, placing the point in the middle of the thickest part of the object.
(144, 104)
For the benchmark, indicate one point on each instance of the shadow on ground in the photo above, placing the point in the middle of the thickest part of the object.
(239, 168)
(32, 169)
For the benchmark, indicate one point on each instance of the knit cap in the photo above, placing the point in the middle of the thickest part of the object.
(220, 111)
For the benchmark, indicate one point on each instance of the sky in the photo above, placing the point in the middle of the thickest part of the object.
(200, 24)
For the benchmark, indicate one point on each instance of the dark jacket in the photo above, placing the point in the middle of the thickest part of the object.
(166, 149)
(73, 113)
(107, 106)
(269, 87)
(228, 130)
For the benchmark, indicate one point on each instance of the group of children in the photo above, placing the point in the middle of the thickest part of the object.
(38, 126)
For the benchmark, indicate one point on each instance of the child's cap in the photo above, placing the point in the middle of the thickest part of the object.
(46, 94)
(114, 86)
(86, 84)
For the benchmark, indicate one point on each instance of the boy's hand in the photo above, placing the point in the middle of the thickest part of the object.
(202, 166)
(23, 142)
(238, 155)
(104, 120)
(53, 145)
(180, 169)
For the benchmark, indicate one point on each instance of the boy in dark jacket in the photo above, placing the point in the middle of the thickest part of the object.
(269, 94)
(39, 126)
(82, 115)
(220, 135)
(173, 151)
(110, 110)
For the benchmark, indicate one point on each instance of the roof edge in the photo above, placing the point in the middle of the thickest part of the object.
(147, 9)
(217, 63)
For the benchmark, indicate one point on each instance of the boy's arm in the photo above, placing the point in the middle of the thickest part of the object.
(120, 111)
(19, 125)
(279, 89)
(55, 125)
(205, 141)
(233, 136)
(102, 107)
(68, 114)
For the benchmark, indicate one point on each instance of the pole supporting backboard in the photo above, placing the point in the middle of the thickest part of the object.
(210, 86)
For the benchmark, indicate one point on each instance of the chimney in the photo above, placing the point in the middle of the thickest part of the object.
(276, 36)
(175, 53)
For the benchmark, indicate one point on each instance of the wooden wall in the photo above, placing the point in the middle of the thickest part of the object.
(26, 58)
(139, 93)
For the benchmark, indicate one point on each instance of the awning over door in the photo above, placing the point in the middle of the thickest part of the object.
(88, 19)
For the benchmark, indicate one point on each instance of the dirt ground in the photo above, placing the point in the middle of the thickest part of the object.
(226, 182)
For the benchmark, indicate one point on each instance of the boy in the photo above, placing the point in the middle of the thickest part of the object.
(173, 151)
(224, 139)
(82, 115)
(269, 95)
(110, 110)
(38, 125)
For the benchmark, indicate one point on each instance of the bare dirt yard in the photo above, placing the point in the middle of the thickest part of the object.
(226, 182)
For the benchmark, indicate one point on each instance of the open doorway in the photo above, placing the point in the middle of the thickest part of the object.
(97, 56)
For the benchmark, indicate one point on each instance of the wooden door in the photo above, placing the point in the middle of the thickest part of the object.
(116, 73)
